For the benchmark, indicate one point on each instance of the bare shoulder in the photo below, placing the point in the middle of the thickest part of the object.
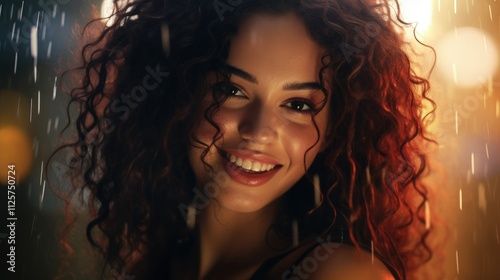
(332, 261)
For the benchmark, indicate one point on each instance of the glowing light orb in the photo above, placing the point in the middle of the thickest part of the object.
(108, 9)
(466, 56)
(15, 149)
(418, 12)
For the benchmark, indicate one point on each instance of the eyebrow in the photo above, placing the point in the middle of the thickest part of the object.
(289, 86)
(303, 86)
(240, 73)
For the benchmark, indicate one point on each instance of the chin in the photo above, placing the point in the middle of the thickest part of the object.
(241, 203)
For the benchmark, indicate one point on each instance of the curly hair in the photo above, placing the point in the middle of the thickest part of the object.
(145, 73)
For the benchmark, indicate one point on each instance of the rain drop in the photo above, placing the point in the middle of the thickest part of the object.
(49, 124)
(427, 215)
(41, 173)
(54, 89)
(15, 62)
(460, 199)
(22, 8)
(49, 49)
(32, 224)
(31, 109)
(38, 103)
(42, 196)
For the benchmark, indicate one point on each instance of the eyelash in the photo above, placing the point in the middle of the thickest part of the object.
(223, 89)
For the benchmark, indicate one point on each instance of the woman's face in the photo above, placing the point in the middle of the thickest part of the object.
(267, 119)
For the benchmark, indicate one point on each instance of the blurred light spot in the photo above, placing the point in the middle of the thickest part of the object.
(15, 149)
(466, 56)
(108, 10)
(165, 38)
(418, 12)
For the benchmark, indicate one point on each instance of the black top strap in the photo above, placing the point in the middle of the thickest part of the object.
(268, 264)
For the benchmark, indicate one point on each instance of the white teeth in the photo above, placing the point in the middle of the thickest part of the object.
(247, 164)
(250, 165)
(256, 166)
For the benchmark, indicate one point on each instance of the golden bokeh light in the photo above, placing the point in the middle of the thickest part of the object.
(417, 12)
(15, 149)
(467, 57)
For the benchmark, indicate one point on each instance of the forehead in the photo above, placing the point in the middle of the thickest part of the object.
(275, 45)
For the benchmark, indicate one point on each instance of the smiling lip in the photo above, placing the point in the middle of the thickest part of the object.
(248, 177)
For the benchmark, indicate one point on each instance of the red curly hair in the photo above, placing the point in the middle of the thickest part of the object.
(130, 150)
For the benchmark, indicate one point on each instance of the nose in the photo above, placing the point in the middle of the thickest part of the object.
(258, 125)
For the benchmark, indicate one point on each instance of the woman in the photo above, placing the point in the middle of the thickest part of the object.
(252, 140)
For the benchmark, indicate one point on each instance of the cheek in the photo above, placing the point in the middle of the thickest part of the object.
(299, 140)
(205, 131)
(306, 139)
(226, 120)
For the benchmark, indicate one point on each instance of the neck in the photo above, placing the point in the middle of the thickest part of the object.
(229, 237)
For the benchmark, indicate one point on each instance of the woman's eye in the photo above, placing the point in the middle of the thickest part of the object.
(300, 106)
(229, 90)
